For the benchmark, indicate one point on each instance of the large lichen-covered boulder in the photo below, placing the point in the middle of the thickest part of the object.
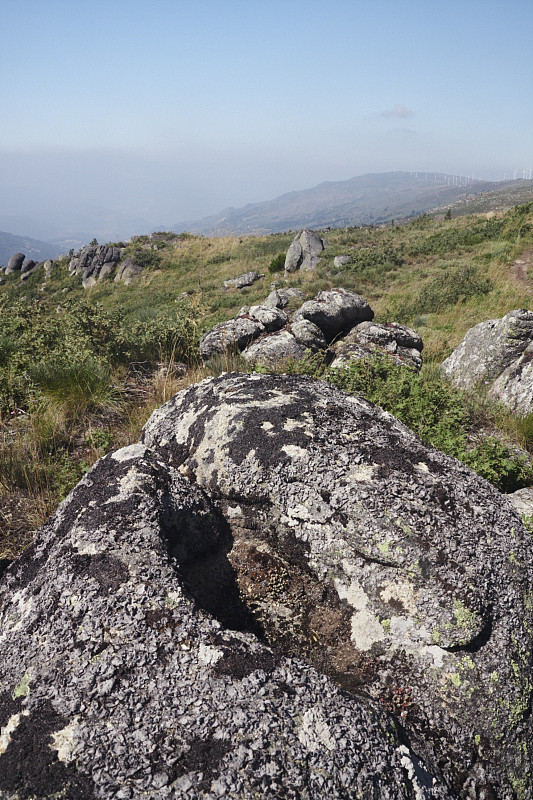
(368, 339)
(124, 674)
(335, 311)
(489, 348)
(275, 350)
(235, 334)
(271, 318)
(389, 566)
(514, 387)
(127, 272)
(303, 253)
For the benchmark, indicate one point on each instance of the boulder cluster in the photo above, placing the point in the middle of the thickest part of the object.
(337, 321)
(96, 262)
(26, 267)
(280, 592)
(498, 354)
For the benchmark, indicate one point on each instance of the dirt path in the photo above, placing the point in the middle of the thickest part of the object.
(520, 268)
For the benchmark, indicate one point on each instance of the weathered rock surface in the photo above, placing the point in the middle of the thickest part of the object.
(246, 279)
(235, 334)
(27, 266)
(341, 261)
(275, 349)
(522, 500)
(389, 566)
(335, 311)
(280, 298)
(309, 334)
(15, 263)
(514, 387)
(127, 272)
(117, 680)
(95, 262)
(303, 253)
(402, 344)
(489, 348)
(271, 318)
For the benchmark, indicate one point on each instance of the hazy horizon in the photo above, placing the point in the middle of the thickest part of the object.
(122, 113)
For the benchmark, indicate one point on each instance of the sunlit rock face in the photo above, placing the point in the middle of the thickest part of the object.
(279, 593)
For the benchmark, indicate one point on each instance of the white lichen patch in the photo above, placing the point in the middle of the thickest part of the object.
(173, 599)
(209, 655)
(314, 732)
(294, 452)
(366, 627)
(65, 740)
(129, 452)
(10, 726)
(406, 761)
(267, 426)
(234, 511)
(415, 638)
(85, 548)
(422, 467)
(400, 592)
(363, 472)
(293, 424)
(22, 606)
(131, 481)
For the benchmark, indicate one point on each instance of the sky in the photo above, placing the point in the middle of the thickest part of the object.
(159, 111)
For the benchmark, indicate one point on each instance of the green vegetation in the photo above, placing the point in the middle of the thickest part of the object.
(81, 370)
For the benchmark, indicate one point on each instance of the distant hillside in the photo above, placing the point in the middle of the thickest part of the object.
(364, 200)
(32, 248)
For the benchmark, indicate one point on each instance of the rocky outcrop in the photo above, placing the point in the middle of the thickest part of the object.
(303, 253)
(489, 348)
(135, 640)
(402, 344)
(335, 311)
(96, 262)
(127, 272)
(389, 566)
(230, 336)
(246, 279)
(267, 334)
(498, 354)
(280, 298)
(15, 263)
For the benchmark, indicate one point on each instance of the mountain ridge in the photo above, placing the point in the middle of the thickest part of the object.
(368, 199)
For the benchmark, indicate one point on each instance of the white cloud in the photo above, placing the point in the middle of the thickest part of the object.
(398, 112)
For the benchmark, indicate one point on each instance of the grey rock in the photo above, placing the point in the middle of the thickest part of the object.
(246, 279)
(522, 501)
(48, 269)
(369, 339)
(391, 566)
(335, 311)
(489, 348)
(303, 253)
(309, 334)
(15, 263)
(27, 266)
(280, 298)
(514, 387)
(95, 262)
(235, 334)
(341, 261)
(129, 668)
(275, 349)
(127, 272)
(271, 318)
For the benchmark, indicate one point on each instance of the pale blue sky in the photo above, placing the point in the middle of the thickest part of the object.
(171, 110)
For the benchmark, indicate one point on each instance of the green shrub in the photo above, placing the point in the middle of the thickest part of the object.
(278, 263)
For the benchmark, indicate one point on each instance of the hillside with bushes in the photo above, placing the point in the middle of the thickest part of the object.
(81, 369)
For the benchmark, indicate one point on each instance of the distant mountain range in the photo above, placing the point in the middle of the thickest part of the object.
(364, 200)
(32, 248)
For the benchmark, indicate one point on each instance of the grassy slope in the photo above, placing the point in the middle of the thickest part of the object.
(440, 277)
